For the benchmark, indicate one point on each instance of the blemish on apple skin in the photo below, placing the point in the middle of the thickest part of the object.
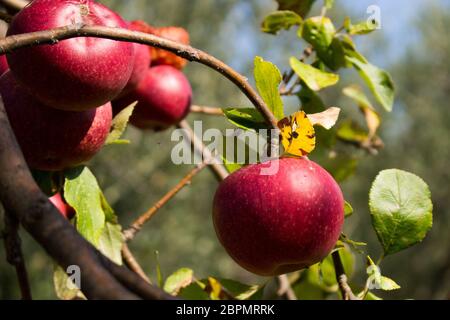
(84, 9)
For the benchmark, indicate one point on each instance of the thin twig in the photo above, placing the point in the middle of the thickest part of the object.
(285, 288)
(132, 264)
(341, 278)
(137, 225)
(214, 111)
(14, 254)
(15, 42)
(219, 170)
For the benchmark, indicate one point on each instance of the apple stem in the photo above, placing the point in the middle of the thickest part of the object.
(341, 277)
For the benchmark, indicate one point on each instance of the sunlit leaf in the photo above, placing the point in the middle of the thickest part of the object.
(348, 209)
(65, 289)
(378, 81)
(280, 20)
(372, 117)
(359, 28)
(178, 280)
(245, 118)
(83, 193)
(401, 209)
(111, 242)
(268, 79)
(119, 124)
(352, 132)
(314, 78)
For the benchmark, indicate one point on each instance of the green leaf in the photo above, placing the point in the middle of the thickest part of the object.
(372, 296)
(388, 284)
(194, 291)
(350, 50)
(268, 78)
(280, 20)
(119, 124)
(348, 209)
(159, 275)
(315, 79)
(352, 132)
(360, 28)
(377, 281)
(242, 291)
(302, 7)
(401, 209)
(319, 32)
(178, 280)
(64, 287)
(111, 242)
(373, 119)
(245, 118)
(378, 81)
(230, 166)
(355, 93)
(83, 193)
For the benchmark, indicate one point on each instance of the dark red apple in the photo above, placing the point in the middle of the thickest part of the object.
(141, 64)
(62, 206)
(75, 74)
(52, 139)
(160, 56)
(164, 99)
(3, 64)
(280, 223)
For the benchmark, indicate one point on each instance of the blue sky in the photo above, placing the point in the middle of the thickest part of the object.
(397, 28)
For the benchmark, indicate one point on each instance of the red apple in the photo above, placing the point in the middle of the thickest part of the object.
(52, 139)
(164, 99)
(280, 223)
(75, 74)
(160, 56)
(62, 206)
(141, 64)
(3, 64)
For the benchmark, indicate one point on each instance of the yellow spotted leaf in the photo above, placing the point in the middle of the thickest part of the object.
(297, 134)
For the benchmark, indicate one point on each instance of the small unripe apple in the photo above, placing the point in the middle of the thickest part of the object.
(52, 139)
(160, 56)
(75, 74)
(63, 207)
(3, 64)
(279, 223)
(164, 99)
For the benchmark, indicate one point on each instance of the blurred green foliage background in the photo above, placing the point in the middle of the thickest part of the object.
(413, 45)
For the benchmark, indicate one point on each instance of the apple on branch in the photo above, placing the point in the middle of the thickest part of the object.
(52, 139)
(75, 74)
(279, 223)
